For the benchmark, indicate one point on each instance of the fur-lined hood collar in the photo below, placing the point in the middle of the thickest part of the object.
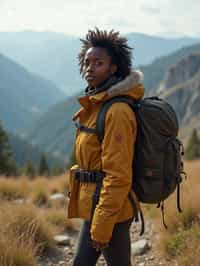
(130, 86)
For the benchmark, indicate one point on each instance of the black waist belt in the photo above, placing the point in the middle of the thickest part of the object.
(93, 176)
(85, 176)
(96, 176)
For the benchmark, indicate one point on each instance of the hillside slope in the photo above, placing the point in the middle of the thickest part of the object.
(181, 88)
(54, 131)
(23, 95)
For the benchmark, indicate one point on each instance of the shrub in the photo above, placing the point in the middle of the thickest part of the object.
(16, 252)
(11, 189)
(182, 239)
(21, 222)
(40, 194)
(193, 147)
(176, 243)
(58, 219)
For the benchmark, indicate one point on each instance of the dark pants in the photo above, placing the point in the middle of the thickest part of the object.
(118, 253)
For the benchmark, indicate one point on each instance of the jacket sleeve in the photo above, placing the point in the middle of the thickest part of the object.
(117, 155)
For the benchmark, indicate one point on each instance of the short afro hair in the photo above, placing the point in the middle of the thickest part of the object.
(115, 45)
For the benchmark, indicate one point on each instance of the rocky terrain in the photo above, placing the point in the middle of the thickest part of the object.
(144, 249)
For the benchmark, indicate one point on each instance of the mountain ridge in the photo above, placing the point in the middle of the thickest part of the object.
(23, 95)
(54, 56)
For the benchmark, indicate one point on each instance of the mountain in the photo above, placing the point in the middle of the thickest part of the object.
(23, 151)
(54, 56)
(49, 54)
(181, 88)
(154, 73)
(23, 96)
(54, 131)
(147, 48)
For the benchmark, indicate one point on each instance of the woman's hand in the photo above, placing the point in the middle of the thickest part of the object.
(98, 245)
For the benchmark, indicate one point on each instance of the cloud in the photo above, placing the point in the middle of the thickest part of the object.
(150, 9)
(75, 17)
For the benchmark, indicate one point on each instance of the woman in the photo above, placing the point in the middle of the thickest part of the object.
(104, 168)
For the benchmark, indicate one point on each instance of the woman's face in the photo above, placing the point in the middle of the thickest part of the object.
(97, 66)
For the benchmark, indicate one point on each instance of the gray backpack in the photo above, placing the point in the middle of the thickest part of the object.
(157, 165)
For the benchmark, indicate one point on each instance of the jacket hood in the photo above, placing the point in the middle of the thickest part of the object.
(130, 86)
(135, 78)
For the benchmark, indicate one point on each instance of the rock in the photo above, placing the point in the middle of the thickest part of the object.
(62, 240)
(141, 264)
(57, 196)
(19, 201)
(140, 247)
(22, 201)
(151, 258)
(61, 262)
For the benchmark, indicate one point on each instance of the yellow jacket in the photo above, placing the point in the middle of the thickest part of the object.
(113, 156)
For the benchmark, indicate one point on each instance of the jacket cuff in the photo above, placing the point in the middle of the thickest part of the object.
(102, 227)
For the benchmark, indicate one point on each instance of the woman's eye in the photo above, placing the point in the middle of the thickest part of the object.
(99, 63)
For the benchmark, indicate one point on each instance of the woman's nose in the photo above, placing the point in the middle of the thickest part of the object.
(90, 68)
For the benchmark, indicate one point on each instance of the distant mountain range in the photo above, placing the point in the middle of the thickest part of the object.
(37, 109)
(24, 151)
(54, 56)
(56, 128)
(23, 96)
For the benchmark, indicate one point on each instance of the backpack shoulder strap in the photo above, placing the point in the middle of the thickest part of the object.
(100, 129)
(100, 122)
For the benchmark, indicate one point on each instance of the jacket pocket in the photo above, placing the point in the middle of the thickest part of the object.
(85, 200)
(73, 194)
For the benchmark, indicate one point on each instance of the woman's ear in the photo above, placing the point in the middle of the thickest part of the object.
(113, 69)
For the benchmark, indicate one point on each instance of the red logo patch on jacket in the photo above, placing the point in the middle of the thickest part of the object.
(118, 138)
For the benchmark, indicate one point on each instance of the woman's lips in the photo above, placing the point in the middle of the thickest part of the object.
(89, 77)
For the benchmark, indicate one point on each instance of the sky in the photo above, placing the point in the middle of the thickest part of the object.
(170, 18)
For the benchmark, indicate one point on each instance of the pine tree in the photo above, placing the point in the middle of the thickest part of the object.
(193, 147)
(29, 169)
(7, 163)
(43, 166)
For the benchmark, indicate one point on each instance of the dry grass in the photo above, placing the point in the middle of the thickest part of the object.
(58, 184)
(24, 233)
(39, 192)
(27, 229)
(57, 218)
(24, 220)
(12, 188)
(182, 239)
(16, 252)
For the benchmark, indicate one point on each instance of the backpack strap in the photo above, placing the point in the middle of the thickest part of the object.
(83, 128)
(100, 131)
(137, 210)
(100, 122)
